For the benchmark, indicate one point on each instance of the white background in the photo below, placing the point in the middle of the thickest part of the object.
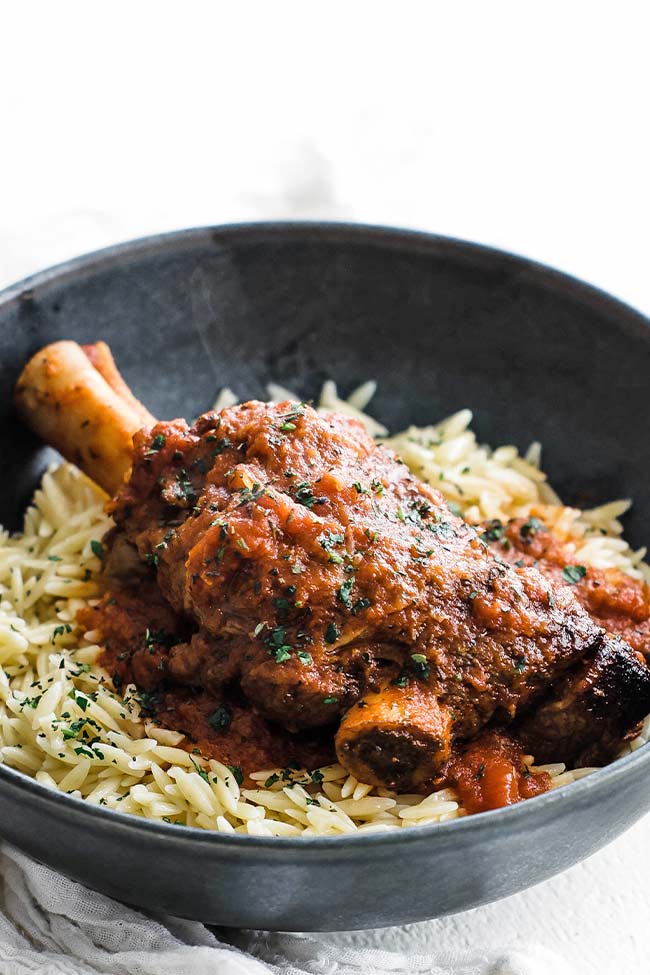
(522, 125)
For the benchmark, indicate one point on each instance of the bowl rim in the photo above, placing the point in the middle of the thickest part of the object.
(589, 788)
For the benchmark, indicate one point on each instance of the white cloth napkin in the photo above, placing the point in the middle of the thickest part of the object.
(52, 926)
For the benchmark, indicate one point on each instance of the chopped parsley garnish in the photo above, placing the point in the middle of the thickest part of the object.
(97, 548)
(80, 701)
(272, 779)
(494, 530)
(281, 654)
(277, 636)
(422, 507)
(288, 425)
(54, 558)
(201, 771)
(282, 605)
(220, 718)
(303, 657)
(304, 495)
(530, 528)
(31, 702)
(151, 559)
(344, 592)
(184, 489)
(238, 775)
(421, 666)
(220, 445)
(81, 750)
(166, 539)
(251, 494)
(328, 541)
(360, 604)
(278, 648)
(332, 633)
(574, 573)
(156, 444)
(76, 728)
(400, 681)
(359, 488)
(480, 772)
(330, 700)
(60, 630)
(149, 701)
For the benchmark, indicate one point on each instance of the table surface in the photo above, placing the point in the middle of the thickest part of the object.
(491, 123)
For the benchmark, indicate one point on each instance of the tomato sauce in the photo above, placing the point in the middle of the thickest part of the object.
(616, 601)
(138, 629)
(490, 773)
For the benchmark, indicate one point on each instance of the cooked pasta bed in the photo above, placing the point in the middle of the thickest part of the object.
(63, 723)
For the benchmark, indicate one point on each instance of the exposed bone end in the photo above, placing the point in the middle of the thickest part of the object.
(102, 359)
(68, 402)
(396, 737)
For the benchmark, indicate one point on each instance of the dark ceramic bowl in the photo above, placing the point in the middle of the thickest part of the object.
(441, 324)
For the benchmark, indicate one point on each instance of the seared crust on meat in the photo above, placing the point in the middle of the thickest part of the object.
(585, 716)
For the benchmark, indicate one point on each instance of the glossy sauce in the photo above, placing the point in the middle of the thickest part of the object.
(226, 727)
(487, 774)
(490, 773)
(615, 600)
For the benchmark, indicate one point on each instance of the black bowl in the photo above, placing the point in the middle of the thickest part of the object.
(440, 324)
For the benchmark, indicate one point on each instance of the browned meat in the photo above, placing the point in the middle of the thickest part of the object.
(136, 624)
(585, 716)
(614, 600)
(316, 573)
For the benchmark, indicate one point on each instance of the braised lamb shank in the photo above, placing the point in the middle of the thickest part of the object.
(331, 585)
(316, 575)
